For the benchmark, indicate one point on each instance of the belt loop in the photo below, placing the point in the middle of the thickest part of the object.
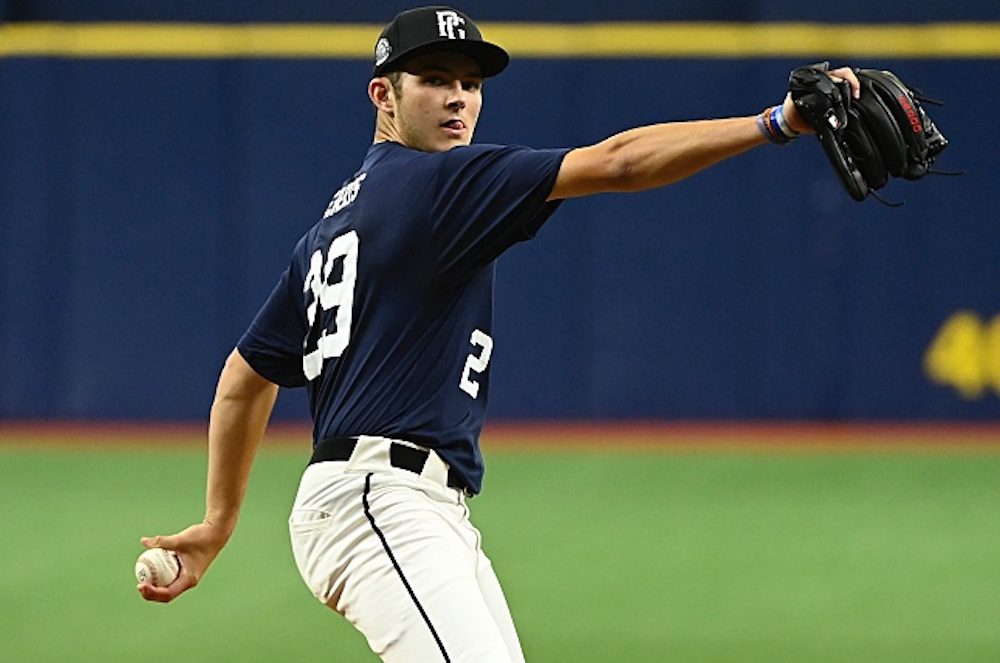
(435, 469)
(370, 453)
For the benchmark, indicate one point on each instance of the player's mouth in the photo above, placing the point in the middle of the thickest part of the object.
(454, 127)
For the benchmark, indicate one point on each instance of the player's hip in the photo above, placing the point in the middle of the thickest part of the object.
(345, 511)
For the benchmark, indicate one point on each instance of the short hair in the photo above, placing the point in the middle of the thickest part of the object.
(396, 79)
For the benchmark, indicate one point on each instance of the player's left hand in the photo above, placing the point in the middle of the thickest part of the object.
(795, 119)
(196, 547)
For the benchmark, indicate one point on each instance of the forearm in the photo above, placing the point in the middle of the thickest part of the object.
(242, 407)
(243, 403)
(655, 155)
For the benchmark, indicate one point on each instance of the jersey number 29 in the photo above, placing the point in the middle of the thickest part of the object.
(322, 344)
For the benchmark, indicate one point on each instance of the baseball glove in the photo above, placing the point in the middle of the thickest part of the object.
(884, 133)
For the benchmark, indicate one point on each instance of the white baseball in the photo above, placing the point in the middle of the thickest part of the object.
(158, 567)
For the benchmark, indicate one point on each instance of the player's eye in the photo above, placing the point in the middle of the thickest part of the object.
(472, 86)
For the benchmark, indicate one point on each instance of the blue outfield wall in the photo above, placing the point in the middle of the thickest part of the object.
(148, 205)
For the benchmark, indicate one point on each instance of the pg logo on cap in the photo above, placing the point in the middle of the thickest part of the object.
(448, 22)
(383, 49)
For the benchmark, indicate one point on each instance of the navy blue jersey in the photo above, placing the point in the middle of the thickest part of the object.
(385, 313)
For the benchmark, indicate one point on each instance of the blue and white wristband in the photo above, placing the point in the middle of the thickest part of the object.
(786, 129)
(772, 124)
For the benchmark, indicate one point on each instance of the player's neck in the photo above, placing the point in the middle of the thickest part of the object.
(386, 131)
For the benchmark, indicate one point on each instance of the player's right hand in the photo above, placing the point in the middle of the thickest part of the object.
(196, 547)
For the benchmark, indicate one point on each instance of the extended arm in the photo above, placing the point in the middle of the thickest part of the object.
(242, 407)
(660, 154)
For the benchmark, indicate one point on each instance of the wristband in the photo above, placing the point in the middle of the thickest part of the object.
(786, 129)
(767, 124)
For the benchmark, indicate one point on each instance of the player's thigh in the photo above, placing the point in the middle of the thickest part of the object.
(327, 529)
(420, 598)
(496, 603)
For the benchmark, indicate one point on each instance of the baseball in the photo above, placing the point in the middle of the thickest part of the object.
(158, 567)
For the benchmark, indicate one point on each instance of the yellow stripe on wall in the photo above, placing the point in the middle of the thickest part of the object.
(749, 40)
(187, 40)
(539, 40)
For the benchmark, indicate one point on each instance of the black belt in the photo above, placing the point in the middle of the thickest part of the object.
(401, 456)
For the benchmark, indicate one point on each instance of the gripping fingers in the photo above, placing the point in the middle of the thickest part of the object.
(847, 74)
(168, 593)
(195, 547)
(185, 580)
(168, 542)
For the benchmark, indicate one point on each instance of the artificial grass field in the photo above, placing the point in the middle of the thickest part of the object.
(646, 556)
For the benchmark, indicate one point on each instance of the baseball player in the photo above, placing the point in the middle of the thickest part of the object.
(385, 316)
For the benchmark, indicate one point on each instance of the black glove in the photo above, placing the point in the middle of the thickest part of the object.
(883, 133)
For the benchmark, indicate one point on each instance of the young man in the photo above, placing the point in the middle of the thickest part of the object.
(385, 316)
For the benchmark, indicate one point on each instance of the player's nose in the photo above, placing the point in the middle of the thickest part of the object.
(456, 96)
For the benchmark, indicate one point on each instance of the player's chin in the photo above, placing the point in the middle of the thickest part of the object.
(452, 138)
(445, 146)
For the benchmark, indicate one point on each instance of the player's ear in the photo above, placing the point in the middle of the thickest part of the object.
(380, 93)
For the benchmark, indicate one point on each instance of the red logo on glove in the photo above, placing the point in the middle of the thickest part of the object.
(911, 114)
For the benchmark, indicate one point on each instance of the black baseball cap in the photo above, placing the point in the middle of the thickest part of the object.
(431, 29)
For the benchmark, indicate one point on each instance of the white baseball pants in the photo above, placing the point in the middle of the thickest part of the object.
(395, 553)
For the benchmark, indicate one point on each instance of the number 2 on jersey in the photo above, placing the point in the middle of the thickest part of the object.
(322, 342)
(477, 363)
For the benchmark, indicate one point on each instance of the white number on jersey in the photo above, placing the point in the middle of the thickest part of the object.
(476, 362)
(326, 296)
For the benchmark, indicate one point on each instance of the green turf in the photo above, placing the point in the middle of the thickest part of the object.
(841, 557)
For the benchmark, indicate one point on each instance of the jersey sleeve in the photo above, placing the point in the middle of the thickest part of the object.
(273, 343)
(489, 197)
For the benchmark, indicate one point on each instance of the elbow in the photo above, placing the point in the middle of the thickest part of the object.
(610, 166)
(629, 177)
(623, 169)
(620, 172)
(616, 167)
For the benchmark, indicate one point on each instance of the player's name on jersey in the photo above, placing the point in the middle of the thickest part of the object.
(345, 196)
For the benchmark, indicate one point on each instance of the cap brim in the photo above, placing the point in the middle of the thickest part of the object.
(491, 58)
